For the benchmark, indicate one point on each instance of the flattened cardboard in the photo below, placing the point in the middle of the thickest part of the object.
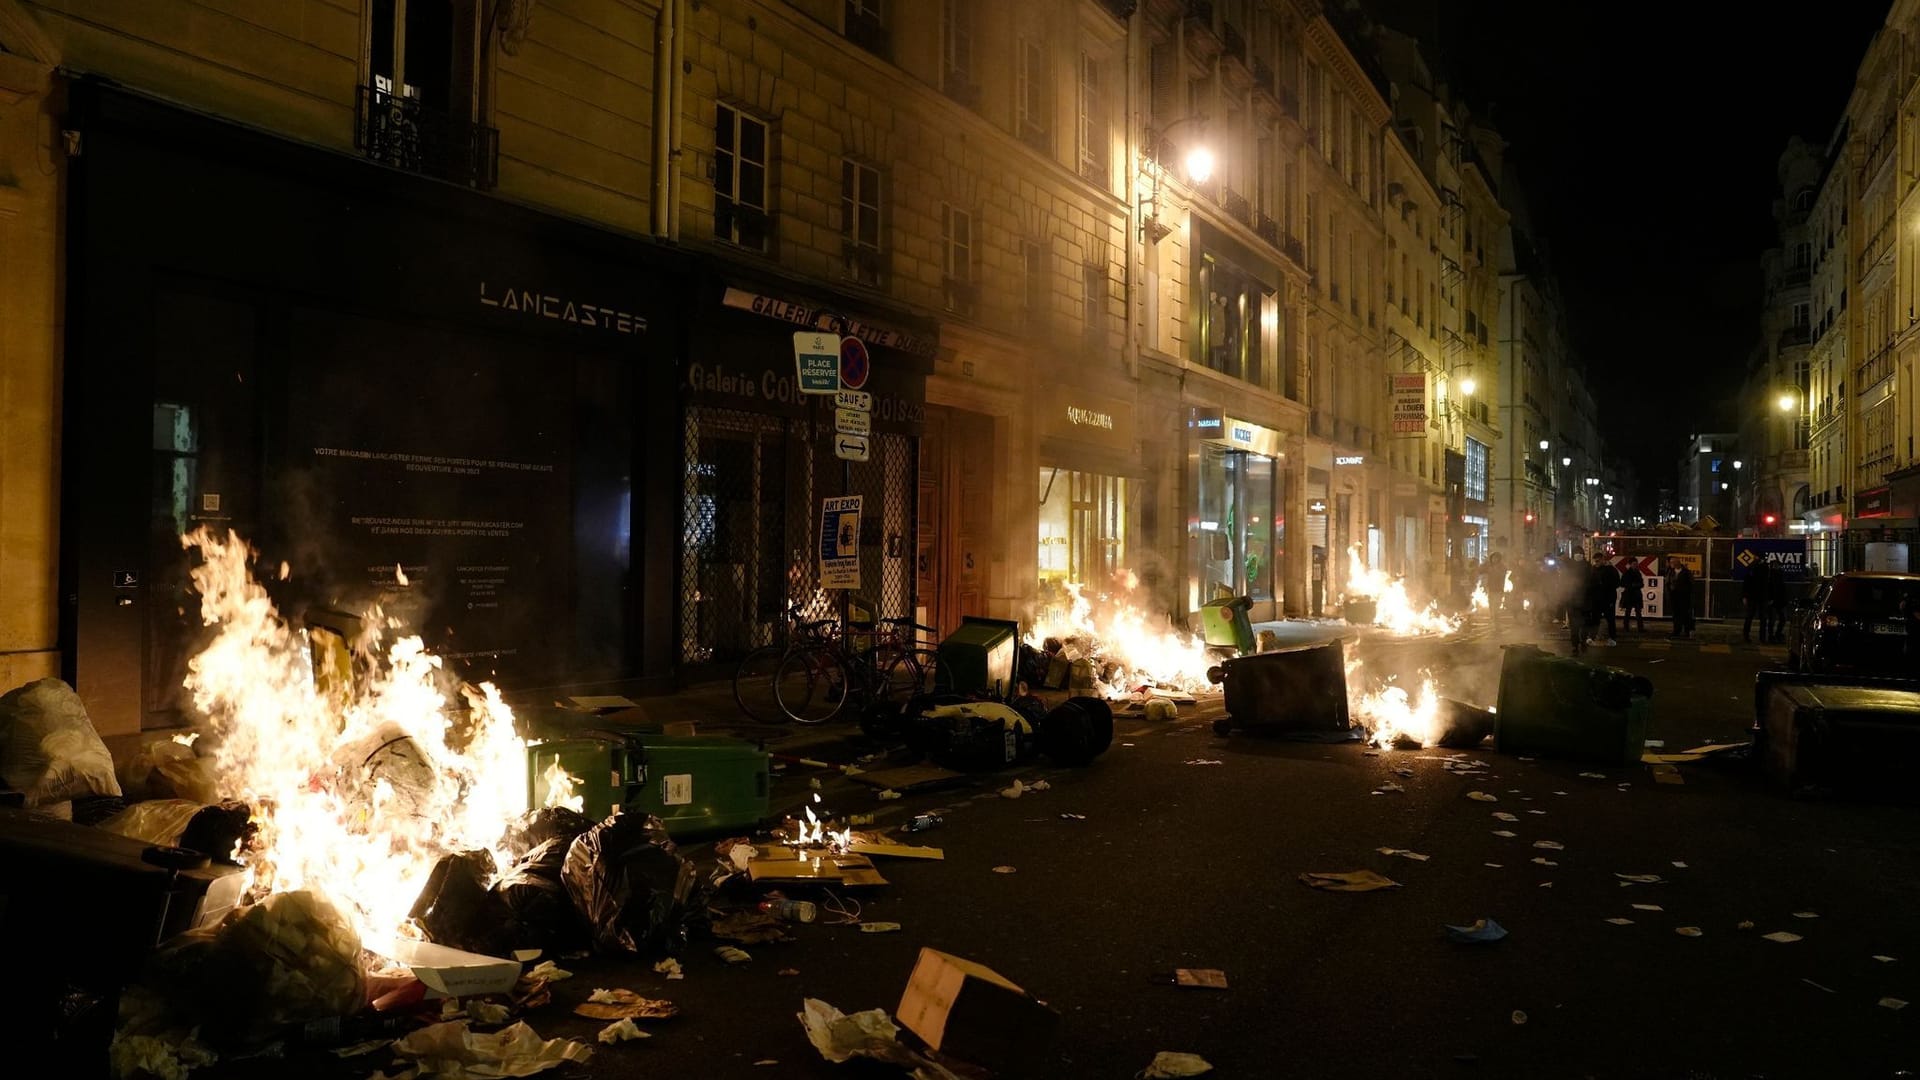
(895, 851)
(455, 972)
(972, 1013)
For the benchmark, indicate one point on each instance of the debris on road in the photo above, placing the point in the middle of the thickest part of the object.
(1349, 881)
(1666, 774)
(787, 972)
(622, 1030)
(1744, 924)
(1817, 986)
(670, 968)
(894, 851)
(1781, 936)
(1481, 932)
(1481, 796)
(1550, 845)
(970, 1012)
(1806, 915)
(1618, 921)
(454, 1050)
(1205, 761)
(1006, 869)
(887, 794)
(1687, 931)
(1199, 978)
(1493, 865)
(1404, 853)
(1544, 861)
(1641, 879)
(1648, 907)
(1678, 865)
(1170, 1065)
(750, 928)
(1389, 787)
(1015, 791)
(879, 927)
(1519, 1017)
(841, 1037)
(1885, 959)
(1594, 775)
(732, 955)
(1893, 1003)
(623, 1004)
(1504, 816)
(1507, 834)
(923, 822)
(1073, 817)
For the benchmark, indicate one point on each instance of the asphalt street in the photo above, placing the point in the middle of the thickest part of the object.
(1179, 864)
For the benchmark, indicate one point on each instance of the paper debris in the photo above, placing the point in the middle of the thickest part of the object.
(1538, 813)
(813, 782)
(768, 1061)
(1817, 986)
(1641, 879)
(1679, 865)
(1648, 907)
(1544, 861)
(624, 1004)
(1657, 744)
(1404, 853)
(1200, 978)
(879, 927)
(1205, 761)
(889, 793)
(1666, 774)
(1350, 881)
(1744, 924)
(1018, 789)
(1550, 845)
(1781, 936)
(1006, 869)
(1494, 865)
(1388, 785)
(1168, 1065)
(1481, 932)
(359, 1048)
(548, 971)
(1073, 817)
(1884, 959)
(1893, 1003)
(784, 972)
(670, 968)
(1687, 931)
(1504, 816)
(1806, 915)
(840, 1037)
(1481, 796)
(488, 1012)
(1559, 793)
(733, 955)
(1594, 775)
(1519, 1017)
(622, 1030)
(454, 1050)
(1506, 833)
(1546, 885)
(1039, 785)
(1618, 921)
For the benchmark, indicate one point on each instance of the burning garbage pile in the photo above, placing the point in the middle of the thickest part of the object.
(1108, 645)
(1392, 716)
(1392, 609)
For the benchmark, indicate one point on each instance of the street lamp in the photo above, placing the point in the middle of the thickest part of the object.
(1737, 463)
(1566, 462)
(1788, 401)
(1199, 164)
(1467, 386)
(1543, 444)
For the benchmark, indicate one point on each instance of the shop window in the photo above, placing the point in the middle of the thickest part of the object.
(860, 222)
(1476, 483)
(424, 102)
(1095, 139)
(1227, 308)
(956, 257)
(1083, 529)
(739, 179)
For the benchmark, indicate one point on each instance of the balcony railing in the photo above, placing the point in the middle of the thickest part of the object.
(1268, 229)
(1295, 250)
(405, 134)
(1796, 275)
(1798, 334)
(1877, 367)
(1236, 206)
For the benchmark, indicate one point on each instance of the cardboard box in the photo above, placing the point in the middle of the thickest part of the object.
(455, 972)
(971, 1013)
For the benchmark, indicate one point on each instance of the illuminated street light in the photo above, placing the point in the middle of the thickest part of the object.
(1543, 444)
(1467, 386)
(1723, 485)
(1737, 464)
(1566, 462)
(1788, 401)
(1199, 164)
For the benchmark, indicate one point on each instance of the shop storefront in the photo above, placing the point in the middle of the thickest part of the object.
(369, 376)
(759, 456)
(1089, 484)
(1236, 530)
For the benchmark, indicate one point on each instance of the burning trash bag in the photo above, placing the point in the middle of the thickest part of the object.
(286, 960)
(458, 907)
(543, 914)
(536, 827)
(217, 831)
(630, 884)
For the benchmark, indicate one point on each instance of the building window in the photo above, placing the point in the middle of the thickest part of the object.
(956, 259)
(425, 100)
(739, 179)
(866, 24)
(1227, 306)
(1033, 292)
(956, 51)
(860, 221)
(1096, 141)
(1030, 96)
(1093, 301)
(1476, 470)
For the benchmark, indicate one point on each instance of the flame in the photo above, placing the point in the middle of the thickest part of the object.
(561, 788)
(1390, 714)
(354, 799)
(1481, 602)
(1506, 583)
(1146, 648)
(814, 833)
(1393, 609)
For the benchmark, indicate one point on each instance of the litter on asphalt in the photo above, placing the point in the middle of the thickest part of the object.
(1618, 921)
(1884, 959)
(1893, 1003)
(1594, 775)
(1504, 816)
(1506, 833)
(1687, 931)
(1006, 869)
(879, 927)
(1481, 932)
(1544, 861)
(1648, 907)
(1806, 915)
(1481, 796)
(1348, 881)
(1641, 879)
(1205, 761)
(1404, 853)
(1519, 1017)
(733, 955)
(1781, 936)
(1170, 1065)
(1550, 845)
(622, 1030)
(1200, 978)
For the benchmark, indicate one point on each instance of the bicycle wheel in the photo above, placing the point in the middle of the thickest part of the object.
(811, 685)
(753, 684)
(909, 674)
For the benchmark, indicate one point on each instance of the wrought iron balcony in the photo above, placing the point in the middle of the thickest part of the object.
(1268, 229)
(403, 133)
(1236, 206)
(1296, 250)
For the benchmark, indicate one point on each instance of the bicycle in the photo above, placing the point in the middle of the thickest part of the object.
(819, 677)
(753, 677)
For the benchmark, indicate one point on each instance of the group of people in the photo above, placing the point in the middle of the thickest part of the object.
(1584, 595)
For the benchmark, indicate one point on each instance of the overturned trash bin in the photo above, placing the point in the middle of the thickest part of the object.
(1560, 707)
(1850, 737)
(1296, 689)
(1225, 625)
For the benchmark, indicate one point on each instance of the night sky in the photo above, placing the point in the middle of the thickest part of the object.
(1646, 139)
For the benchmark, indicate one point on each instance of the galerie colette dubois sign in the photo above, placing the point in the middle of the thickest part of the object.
(724, 384)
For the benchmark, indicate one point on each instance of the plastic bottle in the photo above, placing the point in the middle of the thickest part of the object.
(923, 822)
(791, 910)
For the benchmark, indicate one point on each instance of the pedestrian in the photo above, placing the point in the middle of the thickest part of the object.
(1603, 595)
(1633, 594)
(1753, 592)
(1680, 598)
(1574, 587)
(1777, 603)
(1493, 579)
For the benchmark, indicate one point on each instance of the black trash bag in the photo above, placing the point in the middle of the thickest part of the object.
(1033, 665)
(543, 914)
(220, 830)
(1077, 731)
(456, 907)
(536, 827)
(631, 886)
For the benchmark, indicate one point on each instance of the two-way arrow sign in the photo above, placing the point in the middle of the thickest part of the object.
(850, 447)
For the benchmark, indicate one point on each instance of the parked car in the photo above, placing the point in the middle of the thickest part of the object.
(1860, 624)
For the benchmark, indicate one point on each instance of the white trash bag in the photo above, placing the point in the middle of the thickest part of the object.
(48, 747)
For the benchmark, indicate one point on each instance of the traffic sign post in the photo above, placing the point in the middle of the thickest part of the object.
(852, 422)
(840, 542)
(850, 447)
(858, 400)
(854, 363)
